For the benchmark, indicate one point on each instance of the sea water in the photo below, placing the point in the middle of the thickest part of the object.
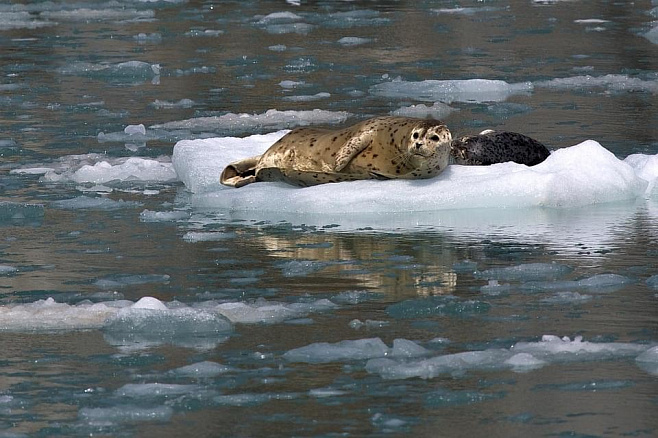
(139, 297)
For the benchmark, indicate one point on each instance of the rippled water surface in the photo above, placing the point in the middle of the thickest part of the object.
(132, 305)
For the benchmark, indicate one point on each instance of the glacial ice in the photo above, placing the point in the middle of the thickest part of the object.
(437, 111)
(520, 357)
(242, 123)
(526, 272)
(358, 349)
(148, 316)
(124, 414)
(576, 176)
(448, 91)
(202, 370)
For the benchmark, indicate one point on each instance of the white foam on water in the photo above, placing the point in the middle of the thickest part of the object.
(448, 91)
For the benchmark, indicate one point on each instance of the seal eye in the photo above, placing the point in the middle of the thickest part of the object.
(415, 136)
(434, 137)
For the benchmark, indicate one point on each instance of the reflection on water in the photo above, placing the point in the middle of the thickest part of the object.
(449, 294)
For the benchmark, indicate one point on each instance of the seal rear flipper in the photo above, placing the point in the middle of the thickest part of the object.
(240, 173)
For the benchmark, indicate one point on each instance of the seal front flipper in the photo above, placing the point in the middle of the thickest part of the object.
(240, 173)
(351, 149)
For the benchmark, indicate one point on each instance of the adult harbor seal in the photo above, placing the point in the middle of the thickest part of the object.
(490, 147)
(379, 148)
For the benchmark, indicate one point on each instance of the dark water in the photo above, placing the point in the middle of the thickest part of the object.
(458, 288)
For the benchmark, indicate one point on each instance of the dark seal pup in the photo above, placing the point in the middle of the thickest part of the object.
(490, 147)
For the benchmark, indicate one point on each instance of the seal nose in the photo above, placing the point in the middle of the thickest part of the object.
(419, 145)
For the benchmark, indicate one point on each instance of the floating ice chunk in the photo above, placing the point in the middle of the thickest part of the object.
(207, 236)
(270, 312)
(124, 414)
(556, 349)
(444, 397)
(250, 399)
(298, 28)
(307, 98)
(148, 38)
(149, 303)
(137, 70)
(48, 315)
(652, 35)
(354, 18)
(611, 82)
(526, 272)
(204, 33)
(291, 84)
(163, 216)
(117, 281)
(466, 11)
(279, 17)
(591, 21)
(22, 20)
(301, 268)
(6, 269)
(494, 288)
(653, 281)
(278, 48)
(438, 305)
(596, 283)
(353, 41)
(646, 167)
(135, 129)
(16, 211)
(163, 104)
(457, 363)
(448, 91)
(406, 348)
(202, 370)
(566, 298)
(326, 392)
(132, 169)
(648, 360)
(341, 351)
(524, 362)
(271, 119)
(591, 385)
(437, 111)
(100, 14)
(155, 390)
(576, 176)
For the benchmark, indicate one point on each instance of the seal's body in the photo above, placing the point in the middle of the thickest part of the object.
(490, 147)
(378, 148)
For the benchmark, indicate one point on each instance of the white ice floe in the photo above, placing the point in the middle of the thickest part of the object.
(437, 111)
(359, 349)
(271, 119)
(100, 169)
(163, 216)
(521, 357)
(353, 41)
(448, 91)
(152, 317)
(611, 82)
(105, 417)
(576, 176)
(307, 97)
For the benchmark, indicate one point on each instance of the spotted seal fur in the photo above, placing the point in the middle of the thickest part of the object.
(379, 148)
(490, 147)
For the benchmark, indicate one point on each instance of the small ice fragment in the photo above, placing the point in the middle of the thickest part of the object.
(406, 348)
(124, 414)
(135, 129)
(149, 303)
(523, 362)
(341, 351)
(6, 269)
(202, 370)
